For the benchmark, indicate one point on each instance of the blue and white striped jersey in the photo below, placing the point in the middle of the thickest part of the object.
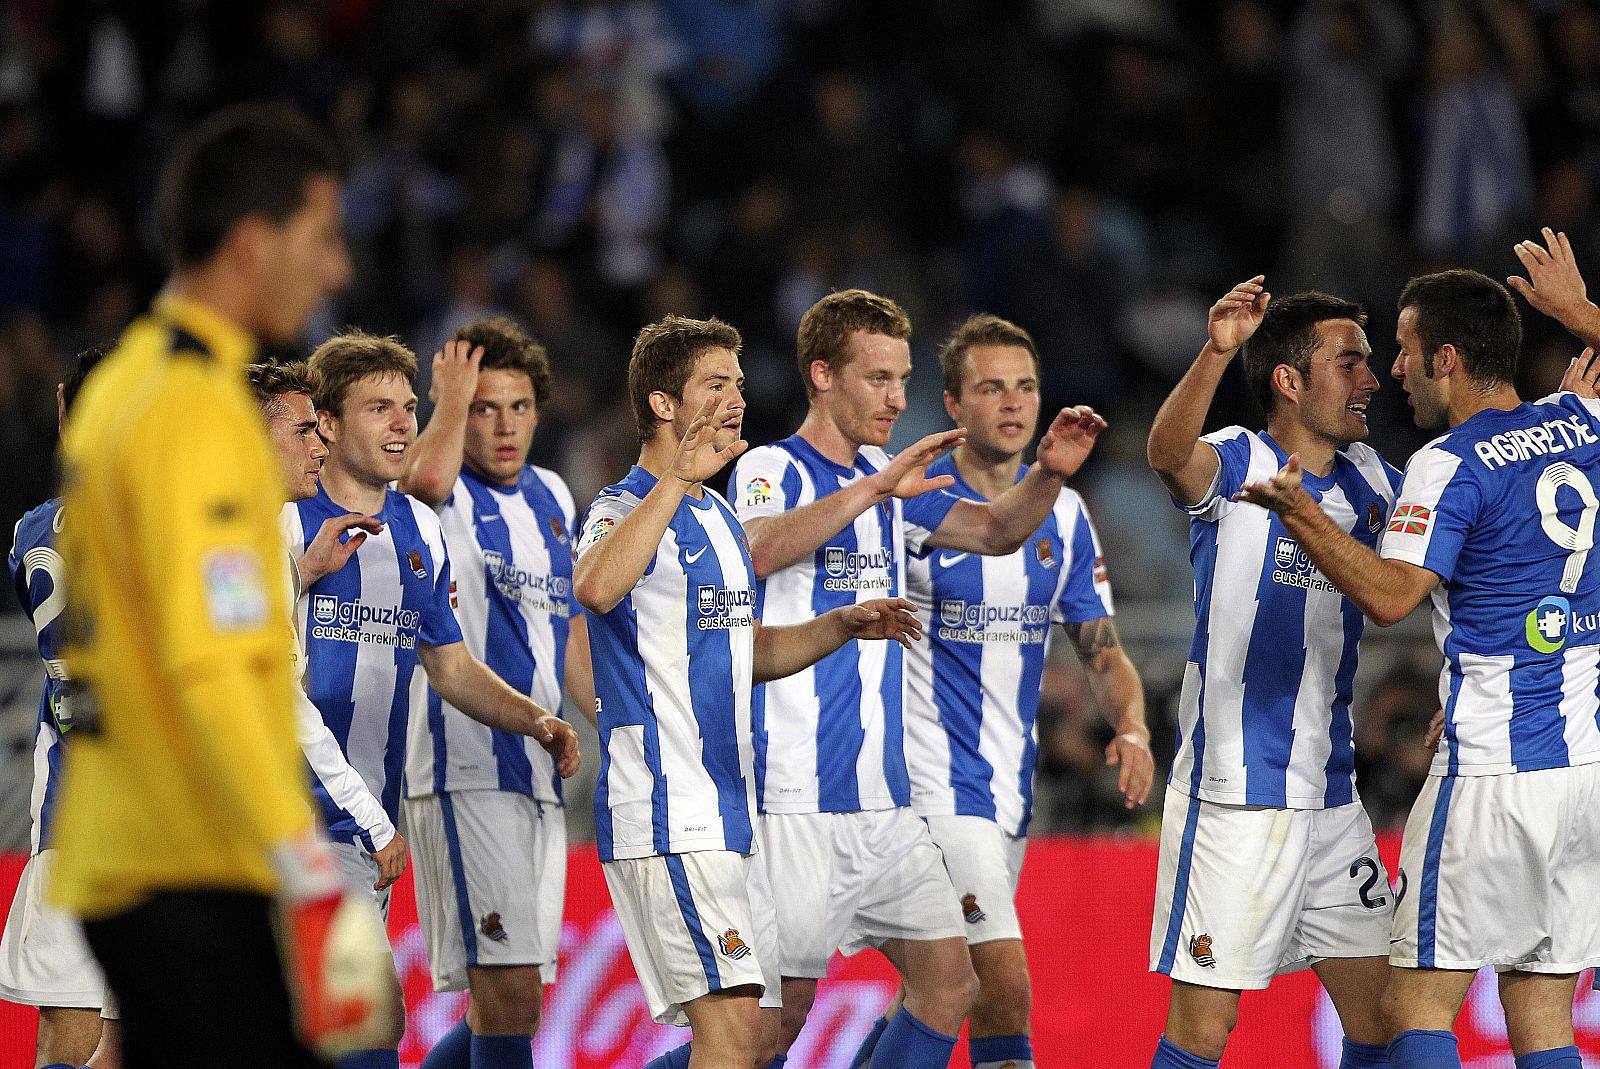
(41, 584)
(834, 740)
(359, 628)
(972, 684)
(511, 556)
(1502, 509)
(1264, 715)
(673, 664)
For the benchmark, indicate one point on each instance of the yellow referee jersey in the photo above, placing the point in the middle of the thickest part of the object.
(182, 767)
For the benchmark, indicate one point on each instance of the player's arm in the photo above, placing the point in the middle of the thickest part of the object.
(471, 686)
(348, 790)
(579, 672)
(1555, 287)
(1385, 590)
(794, 535)
(437, 453)
(783, 651)
(1002, 525)
(609, 568)
(1115, 684)
(1186, 465)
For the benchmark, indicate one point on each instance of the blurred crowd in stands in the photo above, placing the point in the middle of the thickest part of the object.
(1097, 170)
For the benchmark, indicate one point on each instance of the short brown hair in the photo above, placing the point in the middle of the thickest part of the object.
(826, 327)
(508, 347)
(663, 358)
(1472, 312)
(345, 359)
(271, 381)
(980, 329)
(1288, 335)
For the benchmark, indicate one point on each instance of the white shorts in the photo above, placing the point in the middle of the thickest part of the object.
(1245, 892)
(491, 878)
(360, 869)
(1503, 871)
(695, 923)
(848, 881)
(984, 863)
(44, 960)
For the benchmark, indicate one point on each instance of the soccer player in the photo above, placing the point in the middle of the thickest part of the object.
(1261, 804)
(368, 625)
(185, 812)
(283, 392)
(44, 960)
(485, 807)
(1495, 521)
(830, 516)
(972, 688)
(664, 568)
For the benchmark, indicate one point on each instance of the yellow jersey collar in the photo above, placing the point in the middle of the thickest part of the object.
(223, 338)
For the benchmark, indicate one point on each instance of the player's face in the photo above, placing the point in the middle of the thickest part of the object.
(500, 425)
(999, 402)
(716, 374)
(292, 429)
(302, 263)
(372, 435)
(868, 390)
(1334, 399)
(1423, 391)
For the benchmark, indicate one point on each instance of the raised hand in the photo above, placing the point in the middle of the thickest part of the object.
(330, 550)
(1235, 317)
(560, 741)
(455, 371)
(698, 457)
(1583, 376)
(883, 618)
(1069, 440)
(1280, 493)
(906, 475)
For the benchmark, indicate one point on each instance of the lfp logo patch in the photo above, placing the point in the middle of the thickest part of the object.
(757, 491)
(1547, 624)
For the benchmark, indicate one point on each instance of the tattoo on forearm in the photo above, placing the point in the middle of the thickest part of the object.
(1093, 637)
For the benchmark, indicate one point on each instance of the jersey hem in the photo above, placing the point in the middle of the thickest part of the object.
(691, 846)
(457, 789)
(866, 805)
(1269, 801)
(1441, 766)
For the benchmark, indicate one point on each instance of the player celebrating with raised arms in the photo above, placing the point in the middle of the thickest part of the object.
(1495, 521)
(831, 516)
(665, 570)
(484, 806)
(1261, 805)
(367, 626)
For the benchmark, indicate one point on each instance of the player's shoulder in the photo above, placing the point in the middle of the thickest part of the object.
(1378, 472)
(1236, 436)
(552, 481)
(874, 457)
(785, 452)
(420, 513)
(38, 526)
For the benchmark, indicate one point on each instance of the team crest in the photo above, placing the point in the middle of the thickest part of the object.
(732, 946)
(1200, 950)
(1047, 556)
(557, 531)
(491, 927)
(418, 569)
(971, 910)
(1410, 519)
(1374, 518)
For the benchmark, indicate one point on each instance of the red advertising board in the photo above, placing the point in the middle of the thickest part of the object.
(1085, 906)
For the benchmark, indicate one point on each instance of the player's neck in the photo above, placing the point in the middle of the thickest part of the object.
(1316, 452)
(656, 458)
(823, 434)
(218, 290)
(1469, 402)
(349, 492)
(990, 474)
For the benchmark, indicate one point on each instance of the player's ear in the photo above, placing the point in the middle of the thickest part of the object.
(663, 404)
(1446, 361)
(821, 373)
(1286, 380)
(950, 407)
(327, 425)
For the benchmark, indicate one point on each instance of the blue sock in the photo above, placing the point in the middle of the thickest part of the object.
(502, 1052)
(909, 1044)
(453, 1050)
(371, 1059)
(1420, 1048)
(778, 1061)
(676, 1058)
(61, 1065)
(991, 1052)
(1556, 1058)
(1364, 1056)
(863, 1056)
(1171, 1057)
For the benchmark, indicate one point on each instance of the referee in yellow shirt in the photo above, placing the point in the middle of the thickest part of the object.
(185, 809)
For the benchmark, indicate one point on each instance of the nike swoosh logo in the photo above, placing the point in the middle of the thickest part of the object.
(690, 558)
(950, 560)
(486, 519)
